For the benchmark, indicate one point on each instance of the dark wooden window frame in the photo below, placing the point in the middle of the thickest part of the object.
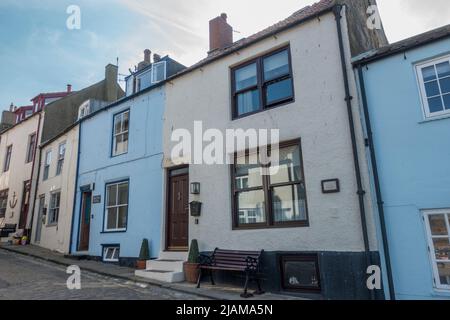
(262, 84)
(267, 188)
(4, 197)
(31, 146)
(8, 155)
(310, 257)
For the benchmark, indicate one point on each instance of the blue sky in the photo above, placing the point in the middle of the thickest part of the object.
(39, 54)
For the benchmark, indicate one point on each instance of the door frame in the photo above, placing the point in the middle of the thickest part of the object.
(83, 190)
(40, 214)
(168, 186)
(23, 215)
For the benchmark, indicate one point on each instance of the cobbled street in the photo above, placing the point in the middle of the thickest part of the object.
(23, 277)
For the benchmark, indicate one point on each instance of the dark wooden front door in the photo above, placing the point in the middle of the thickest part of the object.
(25, 204)
(85, 216)
(178, 211)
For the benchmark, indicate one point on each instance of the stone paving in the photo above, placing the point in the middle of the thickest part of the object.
(27, 278)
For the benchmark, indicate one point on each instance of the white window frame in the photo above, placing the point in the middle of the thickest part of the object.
(114, 249)
(52, 209)
(118, 206)
(434, 261)
(61, 157)
(421, 83)
(47, 165)
(122, 132)
(155, 73)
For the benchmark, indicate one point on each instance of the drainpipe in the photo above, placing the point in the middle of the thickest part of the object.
(348, 99)
(75, 191)
(380, 202)
(37, 178)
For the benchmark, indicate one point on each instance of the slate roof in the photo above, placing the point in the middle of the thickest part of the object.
(402, 46)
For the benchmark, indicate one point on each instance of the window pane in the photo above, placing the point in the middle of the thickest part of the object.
(435, 104)
(279, 91)
(246, 77)
(437, 225)
(118, 124)
(302, 274)
(289, 167)
(445, 85)
(444, 273)
(276, 66)
(116, 254)
(289, 203)
(123, 193)
(429, 73)
(248, 172)
(447, 101)
(112, 195)
(126, 117)
(251, 207)
(432, 89)
(248, 102)
(112, 219)
(109, 253)
(442, 248)
(122, 217)
(443, 69)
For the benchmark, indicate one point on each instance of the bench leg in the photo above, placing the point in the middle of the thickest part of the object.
(260, 290)
(212, 277)
(199, 278)
(246, 294)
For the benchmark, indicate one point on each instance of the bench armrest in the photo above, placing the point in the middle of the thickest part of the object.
(205, 260)
(252, 264)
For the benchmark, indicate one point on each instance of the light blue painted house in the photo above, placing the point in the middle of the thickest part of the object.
(119, 182)
(406, 98)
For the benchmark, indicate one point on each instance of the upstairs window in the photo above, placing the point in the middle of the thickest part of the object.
(31, 147)
(434, 80)
(61, 155)
(7, 159)
(120, 133)
(48, 162)
(158, 72)
(262, 83)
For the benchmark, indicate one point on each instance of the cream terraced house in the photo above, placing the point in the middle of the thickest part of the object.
(314, 219)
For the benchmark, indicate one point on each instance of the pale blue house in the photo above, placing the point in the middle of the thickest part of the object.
(405, 89)
(118, 200)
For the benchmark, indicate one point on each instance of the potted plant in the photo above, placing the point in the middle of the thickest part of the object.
(191, 270)
(144, 255)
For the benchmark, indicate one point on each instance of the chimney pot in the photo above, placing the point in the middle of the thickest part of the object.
(147, 56)
(156, 57)
(220, 33)
(69, 88)
(11, 107)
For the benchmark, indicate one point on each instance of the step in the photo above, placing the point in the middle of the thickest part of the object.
(169, 265)
(173, 255)
(161, 275)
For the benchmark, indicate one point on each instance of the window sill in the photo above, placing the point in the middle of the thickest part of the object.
(267, 108)
(118, 155)
(114, 231)
(436, 118)
(278, 226)
(52, 225)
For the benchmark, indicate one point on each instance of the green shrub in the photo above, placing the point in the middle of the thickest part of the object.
(145, 251)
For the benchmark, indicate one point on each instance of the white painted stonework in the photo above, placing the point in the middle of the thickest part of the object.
(318, 117)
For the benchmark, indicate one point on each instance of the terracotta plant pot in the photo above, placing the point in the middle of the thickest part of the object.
(191, 272)
(141, 264)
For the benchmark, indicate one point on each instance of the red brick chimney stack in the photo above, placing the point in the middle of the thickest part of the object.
(69, 88)
(220, 33)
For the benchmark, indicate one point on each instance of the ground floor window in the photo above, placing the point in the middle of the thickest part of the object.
(3, 203)
(116, 206)
(111, 253)
(438, 229)
(300, 272)
(53, 212)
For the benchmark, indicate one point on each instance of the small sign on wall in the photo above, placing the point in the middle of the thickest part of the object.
(96, 199)
(331, 186)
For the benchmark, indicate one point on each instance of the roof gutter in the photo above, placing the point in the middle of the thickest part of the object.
(348, 98)
(380, 202)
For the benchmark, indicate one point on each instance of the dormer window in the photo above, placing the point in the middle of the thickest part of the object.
(84, 110)
(159, 72)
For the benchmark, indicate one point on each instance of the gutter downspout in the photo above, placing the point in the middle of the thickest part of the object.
(75, 191)
(348, 98)
(380, 202)
(30, 233)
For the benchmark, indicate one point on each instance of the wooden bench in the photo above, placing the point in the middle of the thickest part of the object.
(7, 229)
(247, 262)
